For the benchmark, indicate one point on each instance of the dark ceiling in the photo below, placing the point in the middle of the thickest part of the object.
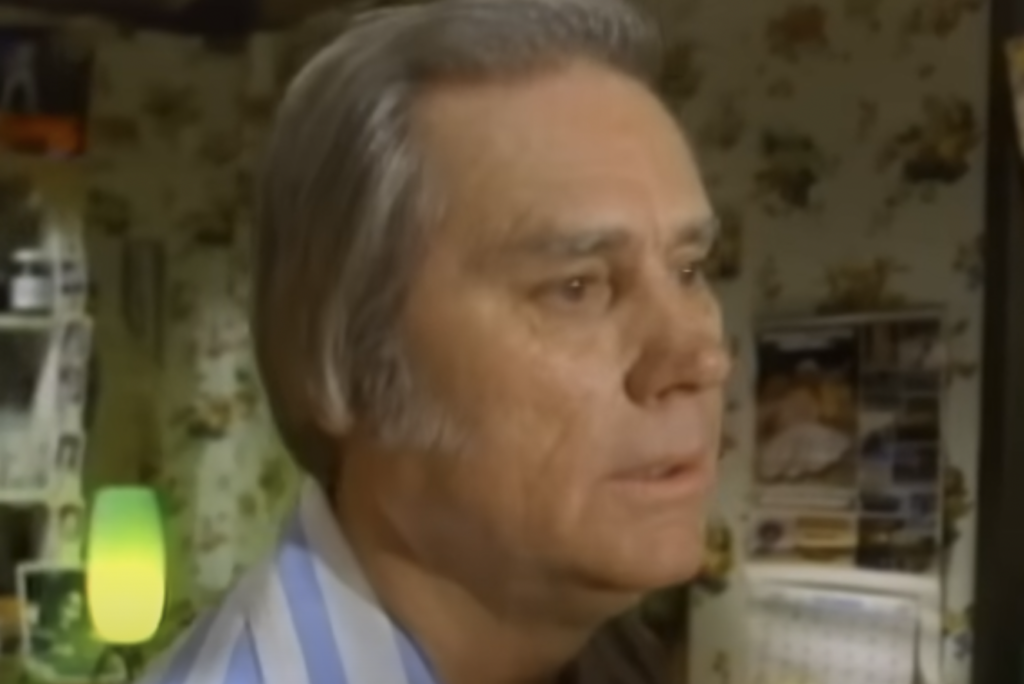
(193, 16)
(211, 17)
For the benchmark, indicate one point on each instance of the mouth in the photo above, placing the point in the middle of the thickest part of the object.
(681, 475)
(656, 473)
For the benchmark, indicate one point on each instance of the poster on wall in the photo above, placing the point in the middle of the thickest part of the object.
(847, 469)
(58, 642)
(44, 91)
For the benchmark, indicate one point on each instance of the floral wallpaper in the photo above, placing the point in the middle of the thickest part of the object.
(845, 141)
(842, 146)
(175, 123)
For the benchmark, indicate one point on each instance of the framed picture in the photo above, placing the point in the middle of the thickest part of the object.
(21, 541)
(74, 348)
(849, 463)
(44, 91)
(57, 641)
(65, 533)
(69, 455)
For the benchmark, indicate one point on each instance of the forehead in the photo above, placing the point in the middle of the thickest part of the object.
(580, 145)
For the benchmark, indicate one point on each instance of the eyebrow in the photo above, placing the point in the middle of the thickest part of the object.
(579, 243)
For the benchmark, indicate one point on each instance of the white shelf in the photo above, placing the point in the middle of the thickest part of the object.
(25, 322)
(36, 323)
(24, 499)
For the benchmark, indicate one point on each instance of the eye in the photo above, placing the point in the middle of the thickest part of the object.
(580, 290)
(691, 274)
(576, 289)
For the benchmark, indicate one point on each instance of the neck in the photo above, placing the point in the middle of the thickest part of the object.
(466, 640)
(477, 626)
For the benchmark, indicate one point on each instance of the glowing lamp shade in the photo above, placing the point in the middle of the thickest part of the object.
(126, 565)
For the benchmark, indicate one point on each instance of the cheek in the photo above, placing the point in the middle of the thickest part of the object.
(531, 406)
(534, 426)
(542, 423)
(515, 387)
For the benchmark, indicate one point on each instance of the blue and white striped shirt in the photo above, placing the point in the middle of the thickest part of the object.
(307, 615)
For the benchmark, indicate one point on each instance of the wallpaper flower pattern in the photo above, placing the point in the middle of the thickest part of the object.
(174, 125)
(848, 133)
(841, 143)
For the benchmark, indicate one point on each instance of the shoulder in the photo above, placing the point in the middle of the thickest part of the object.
(217, 649)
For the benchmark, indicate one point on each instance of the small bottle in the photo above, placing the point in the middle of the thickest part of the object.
(31, 283)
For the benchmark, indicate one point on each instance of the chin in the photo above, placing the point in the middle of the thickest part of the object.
(638, 568)
(659, 573)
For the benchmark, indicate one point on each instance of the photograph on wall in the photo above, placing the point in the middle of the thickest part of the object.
(65, 533)
(58, 642)
(806, 413)
(900, 446)
(820, 537)
(73, 286)
(75, 347)
(44, 91)
(849, 427)
(69, 454)
(21, 542)
(65, 480)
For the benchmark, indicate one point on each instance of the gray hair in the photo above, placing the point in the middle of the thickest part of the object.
(343, 201)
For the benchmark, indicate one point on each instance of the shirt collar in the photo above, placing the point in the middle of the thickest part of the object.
(316, 610)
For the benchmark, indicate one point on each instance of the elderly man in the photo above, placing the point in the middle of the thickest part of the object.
(485, 336)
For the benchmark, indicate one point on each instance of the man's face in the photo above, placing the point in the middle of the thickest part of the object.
(559, 318)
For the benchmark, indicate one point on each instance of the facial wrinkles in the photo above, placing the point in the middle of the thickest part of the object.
(547, 415)
(560, 424)
(430, 424)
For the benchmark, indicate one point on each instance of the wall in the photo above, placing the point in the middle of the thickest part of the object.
(842, 145)
(870, 197)
(172, 126)
(171, 133)
(844, 138)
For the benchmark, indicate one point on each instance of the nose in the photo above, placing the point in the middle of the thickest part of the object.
(682, 350)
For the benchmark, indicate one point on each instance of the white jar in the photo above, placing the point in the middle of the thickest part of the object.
(31, 287)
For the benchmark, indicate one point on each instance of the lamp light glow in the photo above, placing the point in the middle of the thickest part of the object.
(126, 565)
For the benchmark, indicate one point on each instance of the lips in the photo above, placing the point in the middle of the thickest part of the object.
(663, 484)
(660, 470)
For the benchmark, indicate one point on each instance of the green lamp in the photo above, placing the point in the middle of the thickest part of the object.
(126, 568)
